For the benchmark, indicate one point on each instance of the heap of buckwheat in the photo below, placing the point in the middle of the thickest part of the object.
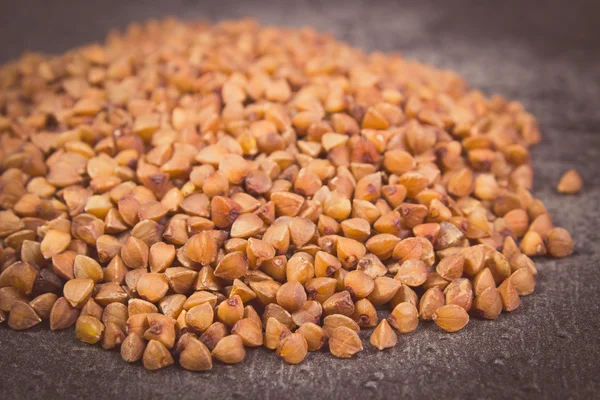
(186, 191)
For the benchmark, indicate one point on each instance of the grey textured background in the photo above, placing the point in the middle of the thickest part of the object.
(544, 53)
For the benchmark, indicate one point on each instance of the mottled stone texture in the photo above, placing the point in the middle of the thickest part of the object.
(543, 53)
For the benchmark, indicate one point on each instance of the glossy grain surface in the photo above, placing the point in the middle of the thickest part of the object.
(545, 56)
